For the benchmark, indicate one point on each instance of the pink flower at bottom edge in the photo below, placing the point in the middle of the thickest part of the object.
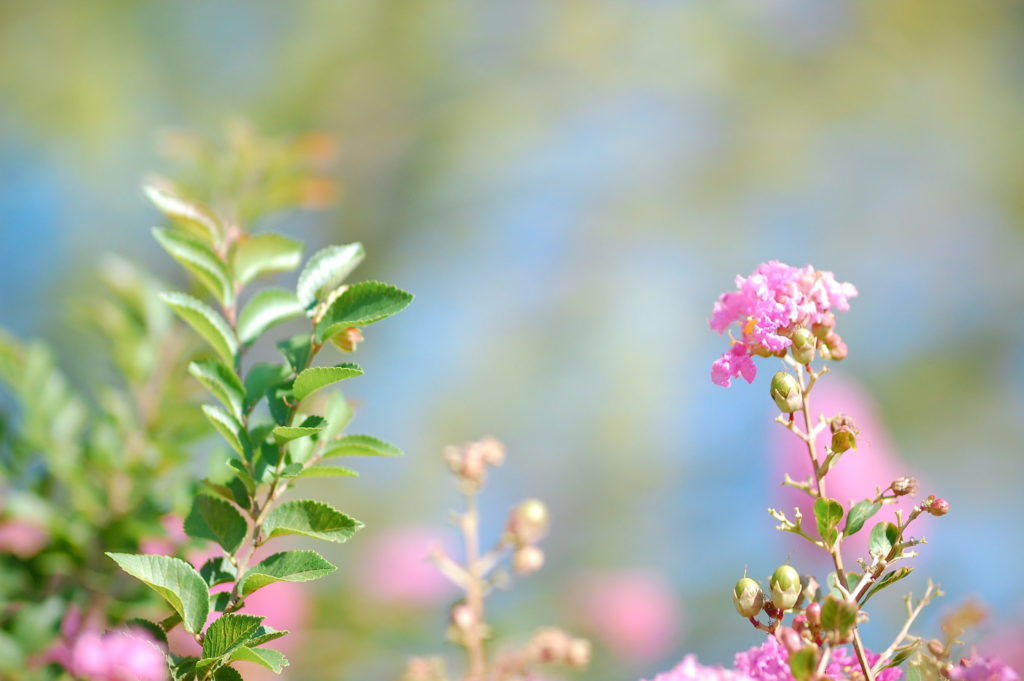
(690, 670)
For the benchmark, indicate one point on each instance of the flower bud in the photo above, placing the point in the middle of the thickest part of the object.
(347, 340)
(936, 648)
(836, 347)
(549, 645)
(748, 597)
(903, 486)
(528, 522)
(786, 392)
(527, 560)
(578, 654)
(799, 623)
(789, 639)
(813, 614)
(803, 346)
(786, 587)
(844, 433)
(822, 329)
(462, 617)
(938, 506)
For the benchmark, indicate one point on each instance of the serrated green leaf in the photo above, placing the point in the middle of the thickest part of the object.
(315, 378)
(858, 515)
(360, 445)
(267, 308)
(828, 512)
(200, 220)
(327, 472)
(884, 536)
(886, 581)
(152, 629)
(234, 490)
(267, 657)
(222, 383)
(260, 379)
(803, 663)
(227, 674)
(361, 304)
(311, 519)
(263, 635)
(227, 633)
(295, 350)
(215, 519)
(265, 254)
(310, 426)
(228, 426)
(218, 570)
(288, 566)
(175, 580)
(243, 475)
(325, 271)
(207, 323)
(279, 401)
(185, 669)
(198, 259)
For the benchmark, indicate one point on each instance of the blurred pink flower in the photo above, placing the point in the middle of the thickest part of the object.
(394, 568)
(690, 670)
(21, 538)
(770, 662)
(169, 544)
(983, 669)
(119, 655)
(635, 614)
(857, 474)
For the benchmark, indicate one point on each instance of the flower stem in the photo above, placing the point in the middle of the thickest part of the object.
(474, 639)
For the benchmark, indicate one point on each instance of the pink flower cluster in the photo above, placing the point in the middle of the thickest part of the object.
(770, 662)
(983, 669)
(769, 306)
(120, 655)
(690, 670)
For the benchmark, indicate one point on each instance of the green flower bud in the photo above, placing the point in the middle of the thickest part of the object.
(803, 346)
(786, 587)
(844, 433)
(786, 392)
(748, 597)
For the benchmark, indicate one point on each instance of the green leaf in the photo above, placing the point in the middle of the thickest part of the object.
(175, 580)
(153, 629)
(228, 426)
(263, 635)
(883, 537)
(311, 426)
(902, 654)
(289, 566)
(296, 350)
(260, 379)
(215, 519)
(265, 254)
(327, 472)
(314, 378)
(311, 519)
(838, 617)
(888, 580)
(828, 512)
(210, 325)
(185, 669)
(325, 271)
(267, 308)
(279, 399)
(361, 304)
(227, 633)
(233, 490)
(221, 381)
(803, 663)
(227, 674)
(268, 657)
(198, 219)
(198, 259)
(360, 445)
(858, 515)
(218, 570)
(219, 601)
(243, 475)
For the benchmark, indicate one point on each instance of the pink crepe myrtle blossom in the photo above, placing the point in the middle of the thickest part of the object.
(127, 654)
(691, 670)
(983, 669)
(634, 613)
(768, 307)
(770, 662)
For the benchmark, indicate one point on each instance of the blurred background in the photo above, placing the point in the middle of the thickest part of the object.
(567, 187)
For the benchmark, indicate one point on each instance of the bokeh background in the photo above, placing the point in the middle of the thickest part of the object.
(567, 187)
